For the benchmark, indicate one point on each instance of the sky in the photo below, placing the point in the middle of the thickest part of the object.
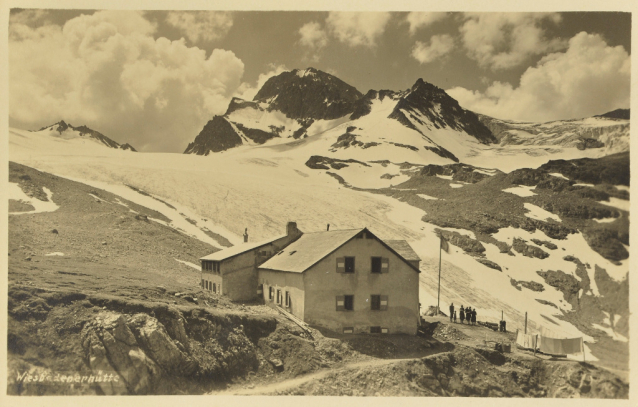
(154, 78)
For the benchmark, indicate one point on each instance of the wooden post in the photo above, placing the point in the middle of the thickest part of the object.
(438, 299)
(582, 345)
(535, 344)
(526, 322)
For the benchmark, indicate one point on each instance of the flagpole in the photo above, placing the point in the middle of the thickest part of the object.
(438, 300)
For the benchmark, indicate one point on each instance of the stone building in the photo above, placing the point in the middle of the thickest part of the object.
(347, 281)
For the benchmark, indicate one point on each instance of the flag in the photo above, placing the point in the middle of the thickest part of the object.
(444, 246)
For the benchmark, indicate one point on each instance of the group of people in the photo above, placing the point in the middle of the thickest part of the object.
(468, 314)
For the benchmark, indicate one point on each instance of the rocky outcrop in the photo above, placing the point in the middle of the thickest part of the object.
(607, 242)
(488, 263)
(466, 243)
(309, 93)
(217, 135)
(549, 245)
(529, 251)
(317, 162)
(566, 283)
(612, 169)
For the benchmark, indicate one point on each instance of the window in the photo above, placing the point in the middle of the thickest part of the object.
(271, 292)
(379, 302)
(375, 302)
(203, 283)
(349, 263)
(348, 303)
(345, 302)
(348, 330)
(214, 287)
(375, 329)
(279, 297)
(288, 299)
(376, 265)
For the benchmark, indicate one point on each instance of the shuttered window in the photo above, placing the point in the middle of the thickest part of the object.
(375, 329)
(270, 292)
(349, 265)
(376, 265)
(345, 302)
(214, 287)
(375, 302)
(385, 265)
(287, 299)
(279, 297)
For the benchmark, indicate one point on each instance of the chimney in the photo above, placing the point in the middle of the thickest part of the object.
(291, 229)
(245, 235)
(328, 228)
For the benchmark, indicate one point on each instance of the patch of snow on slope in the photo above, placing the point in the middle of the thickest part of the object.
(611, 333)
(521, 190)
(622, 187)
(559, 175)
(605, 220)
(584, 185)
(536, 212)
(55, 254)
(16, 193)
(447, 177)
(456, 185)
(371, 177)
(621, 204)
(427, 197)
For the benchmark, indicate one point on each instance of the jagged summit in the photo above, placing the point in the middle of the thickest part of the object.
(308, 94)
(68, 130)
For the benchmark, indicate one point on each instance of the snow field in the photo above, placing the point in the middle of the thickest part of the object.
(536, 212)
(521, 190)
(16, 193)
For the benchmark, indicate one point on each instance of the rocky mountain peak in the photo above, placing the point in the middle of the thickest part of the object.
(83, 130)
(308, 94)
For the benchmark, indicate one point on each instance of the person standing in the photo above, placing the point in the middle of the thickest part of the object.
(462, 314)
(451, 311)
(474, 316)
(455, 317)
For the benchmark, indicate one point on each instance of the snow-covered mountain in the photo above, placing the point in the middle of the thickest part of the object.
(67, 131)
(304, 103)
(420, 125)
(608, 133)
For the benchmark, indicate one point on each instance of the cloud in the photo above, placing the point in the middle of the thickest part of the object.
(248, 92)
(505, 40)
(107, 71)
(357, 28)
(313, 36)
(439, 45)
(422, 19)
(201, 25)
(589, 78)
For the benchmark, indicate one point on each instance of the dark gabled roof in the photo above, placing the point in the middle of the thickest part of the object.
(311, 248)
(403, 249)
(239, 249)
(308, 250)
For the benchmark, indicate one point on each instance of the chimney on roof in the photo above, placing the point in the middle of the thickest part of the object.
(245, 235)
(291, 229)
(328, 228)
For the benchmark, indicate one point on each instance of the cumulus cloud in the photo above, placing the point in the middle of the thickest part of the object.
(422, 19)
(314, 38)
(248, 92)
(201, 25)
(438, 46)
(107, 71)
(357, 28)
(505, 40)
(589, 78)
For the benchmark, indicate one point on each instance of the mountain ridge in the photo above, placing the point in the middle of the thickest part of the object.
(62, 126)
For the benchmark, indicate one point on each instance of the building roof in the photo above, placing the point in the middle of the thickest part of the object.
(239, 249)
(403, 249)
(310, 248)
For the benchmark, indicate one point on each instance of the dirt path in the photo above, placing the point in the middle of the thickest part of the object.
(298, 381)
